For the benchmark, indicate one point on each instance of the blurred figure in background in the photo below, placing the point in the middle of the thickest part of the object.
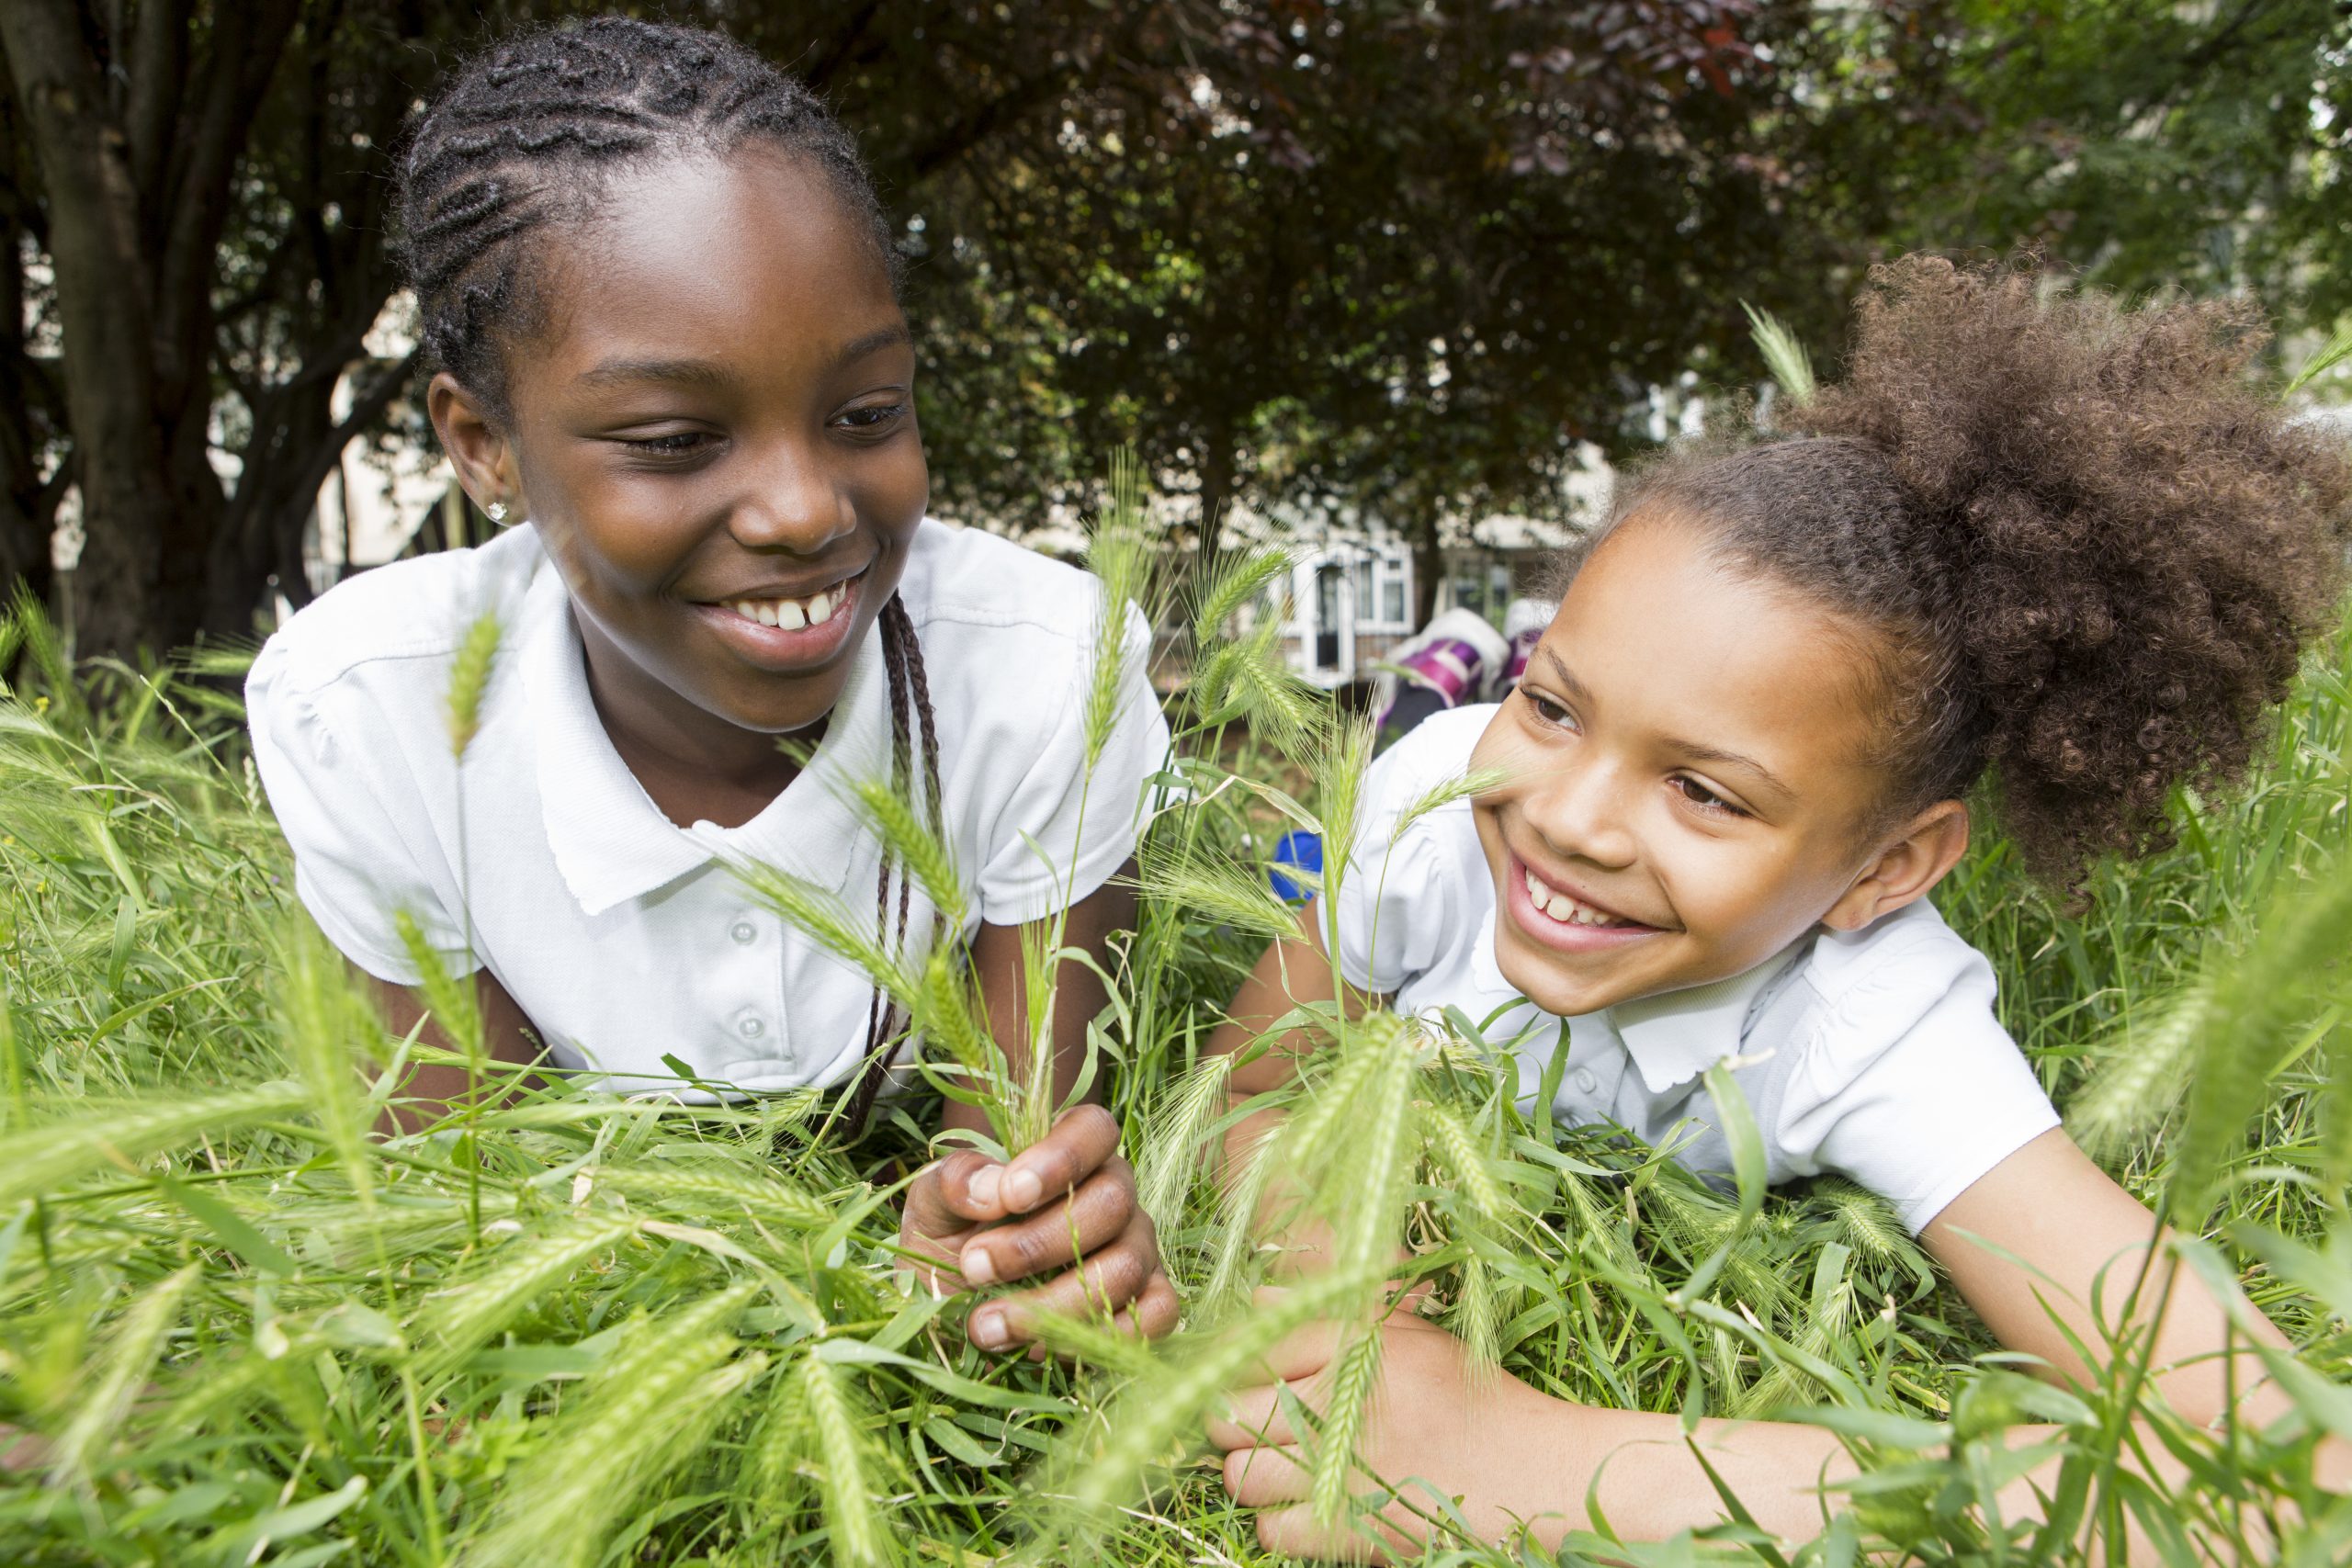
(1458, 657)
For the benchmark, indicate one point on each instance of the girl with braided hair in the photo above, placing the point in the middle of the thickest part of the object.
(660, 298)
(2033, 537)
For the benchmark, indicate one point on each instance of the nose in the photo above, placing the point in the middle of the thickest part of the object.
(1580, 809)
(793, 501)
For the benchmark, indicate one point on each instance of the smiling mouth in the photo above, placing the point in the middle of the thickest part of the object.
(793, 615)
(1557, 905)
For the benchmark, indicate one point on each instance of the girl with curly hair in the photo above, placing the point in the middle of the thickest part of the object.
(2035, 538)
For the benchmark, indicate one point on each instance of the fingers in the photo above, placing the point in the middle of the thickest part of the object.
(1154, 1313)
(974, 1186)
(1108, 1280)
(964, 1190)
(1082, 1139)
(1103, 1208)
(1253, 1418)
(1301, 1354)
(1260, 1477)
(1293, 1532)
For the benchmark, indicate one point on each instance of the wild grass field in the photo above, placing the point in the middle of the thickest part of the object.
(236, 1326)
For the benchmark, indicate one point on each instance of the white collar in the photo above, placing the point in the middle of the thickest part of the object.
(612, 843)
(1676, 1036)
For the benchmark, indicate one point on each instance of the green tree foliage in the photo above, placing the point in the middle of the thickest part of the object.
(2152, 143)
(1399, 252)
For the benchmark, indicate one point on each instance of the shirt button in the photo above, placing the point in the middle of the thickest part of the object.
(750, 1028)
(1585, 1081)
(743, 931)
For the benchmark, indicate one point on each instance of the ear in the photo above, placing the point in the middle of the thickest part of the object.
(477, 446)
(1905, 870)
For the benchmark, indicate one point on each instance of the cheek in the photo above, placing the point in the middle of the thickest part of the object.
(615, 534)
(1738, 894)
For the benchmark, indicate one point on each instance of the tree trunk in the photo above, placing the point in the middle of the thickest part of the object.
(262, 533)
(1429, 564)
(107, 319)
(1216, 494)
(25, 510)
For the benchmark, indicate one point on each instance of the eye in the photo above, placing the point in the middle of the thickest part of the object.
(1546, 710)
(674, 444)
(1699, 795)
(875, 420)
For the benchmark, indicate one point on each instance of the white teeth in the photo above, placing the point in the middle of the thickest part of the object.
(791, 615)
(1565, 910)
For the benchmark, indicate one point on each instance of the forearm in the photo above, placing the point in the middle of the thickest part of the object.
(1788, 1477)
(1637, 1470)
(1573, 1468)
(430, 1092)
(1289, 974)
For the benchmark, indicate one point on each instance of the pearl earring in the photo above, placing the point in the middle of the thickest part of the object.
(497, 510)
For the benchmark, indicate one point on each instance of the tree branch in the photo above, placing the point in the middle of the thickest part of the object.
(158, 74)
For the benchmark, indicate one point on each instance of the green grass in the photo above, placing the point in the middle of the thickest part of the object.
(239, 1328)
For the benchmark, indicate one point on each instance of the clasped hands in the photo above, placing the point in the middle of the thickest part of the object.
(1065, 1211)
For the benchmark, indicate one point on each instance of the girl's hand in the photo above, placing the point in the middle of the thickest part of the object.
(965, 1220)
(1477, 1435)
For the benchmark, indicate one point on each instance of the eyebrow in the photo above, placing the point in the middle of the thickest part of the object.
(1696, 750)
(1698, 753)
(677, 372)
(706, 373)
(895, 335)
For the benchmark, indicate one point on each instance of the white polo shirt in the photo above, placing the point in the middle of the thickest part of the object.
(1872, 1053)
(623, 936)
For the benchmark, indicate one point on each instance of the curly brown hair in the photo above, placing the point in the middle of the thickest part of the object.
(2091, 544)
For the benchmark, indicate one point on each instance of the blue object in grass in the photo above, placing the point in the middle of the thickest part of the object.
(1303, 850)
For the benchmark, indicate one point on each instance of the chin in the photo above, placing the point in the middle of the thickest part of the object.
(1543, 978)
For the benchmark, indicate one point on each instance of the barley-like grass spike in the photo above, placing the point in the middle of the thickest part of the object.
(464, 1316)
(1236, 580)
(2139, 1083)
(696, 1190)
(468, 679)
(912, 844)
(835, 1415)
(1172, 1157)
(1344, 1417)
(42, 1160)
(1784, 354)
(103, 1400)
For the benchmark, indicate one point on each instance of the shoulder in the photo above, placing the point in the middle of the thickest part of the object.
(1906, 974)
(965, 581)
(409, 612)
(1434, 752)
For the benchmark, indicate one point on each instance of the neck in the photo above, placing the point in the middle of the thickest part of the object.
(696, 765)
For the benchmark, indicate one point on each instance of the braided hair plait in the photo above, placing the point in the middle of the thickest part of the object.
(525, 134)
(909, 688)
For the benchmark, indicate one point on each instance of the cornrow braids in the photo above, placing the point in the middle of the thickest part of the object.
(910, 688)
(527, 132)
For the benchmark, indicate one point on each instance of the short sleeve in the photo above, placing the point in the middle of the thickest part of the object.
(1029, 867)
(353, 869)
(1400, 901)
(1913, 1089)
